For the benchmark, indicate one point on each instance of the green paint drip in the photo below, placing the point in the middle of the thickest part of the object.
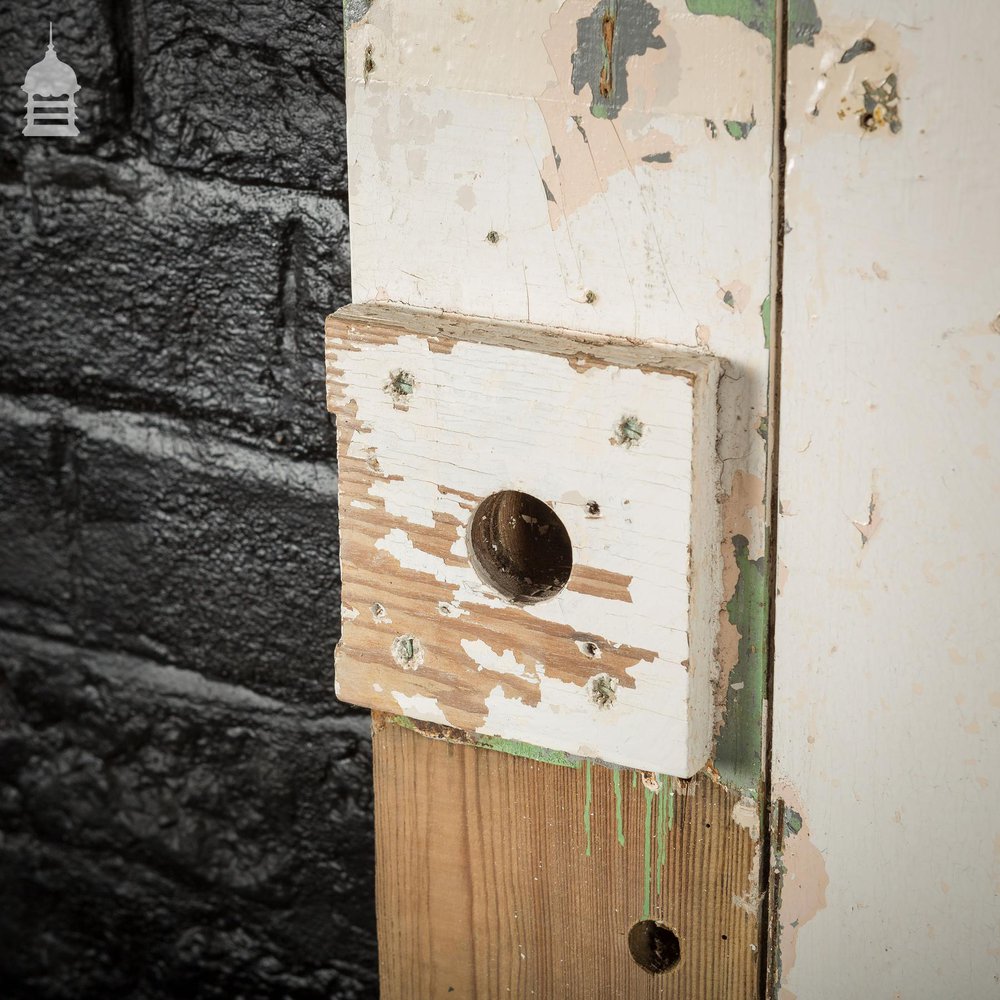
(587, 802)
(765, 319)
(635, 778)
(647, 852)
(737, 752)
(662, 802)
(616, 776)
(758, 15)
(670, 807)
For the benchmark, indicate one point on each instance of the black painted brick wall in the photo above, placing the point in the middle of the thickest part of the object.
(185, 809)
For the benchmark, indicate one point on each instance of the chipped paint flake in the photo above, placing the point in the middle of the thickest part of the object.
(868, 528)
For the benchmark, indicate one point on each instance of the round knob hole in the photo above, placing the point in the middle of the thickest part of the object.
(520, 547)
(654, 946)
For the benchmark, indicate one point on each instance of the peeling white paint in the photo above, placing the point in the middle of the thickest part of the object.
(486, 658)
(420, 706)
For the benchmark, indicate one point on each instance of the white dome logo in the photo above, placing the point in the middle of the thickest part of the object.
(50, 86)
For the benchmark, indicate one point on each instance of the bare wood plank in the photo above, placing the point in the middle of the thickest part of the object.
(500, 876)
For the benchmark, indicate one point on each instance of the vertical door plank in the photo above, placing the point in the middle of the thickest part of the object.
(515, 167)
(886, 690)
(492, 882)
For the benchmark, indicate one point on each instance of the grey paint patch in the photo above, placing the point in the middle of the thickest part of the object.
(615, 31)
(859, 48)
(881, 105)
(356, 10)
(657, 158)
(803, 19)
(549, 196)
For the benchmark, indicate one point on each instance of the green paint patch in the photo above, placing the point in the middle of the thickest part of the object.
(740, 130)
(758, 15)
(738, 749)
(529, 750)
(793, 821)
(762, 428)
(765, 320)
(515, 748)
(588, 802)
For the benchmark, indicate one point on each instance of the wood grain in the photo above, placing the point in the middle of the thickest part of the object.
(490, 885)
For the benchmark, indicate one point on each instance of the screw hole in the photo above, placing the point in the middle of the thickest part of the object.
(401, 386)
(520, 547)
(654, 946)
(407, 652)
(628, 431)
(603, 690)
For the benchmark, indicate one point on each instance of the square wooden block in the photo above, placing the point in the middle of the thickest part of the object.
(529, 533)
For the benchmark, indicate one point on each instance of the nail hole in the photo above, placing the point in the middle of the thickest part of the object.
(379, 614)
(590, 298)
(589, 649)
(520, 547)
(493, 237)
(628, 431)
(654, 946)
(593, 509)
